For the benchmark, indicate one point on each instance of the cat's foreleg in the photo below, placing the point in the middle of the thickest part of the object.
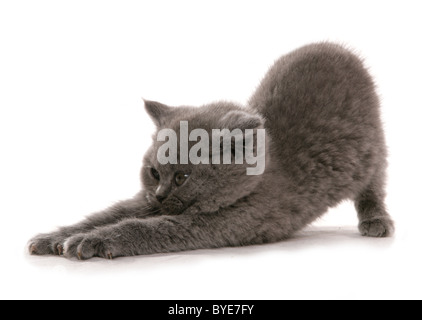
(176, 233)
(53, 243)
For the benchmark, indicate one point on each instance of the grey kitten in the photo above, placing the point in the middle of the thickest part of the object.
(325, 144)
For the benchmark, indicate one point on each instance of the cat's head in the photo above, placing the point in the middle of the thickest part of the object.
(174, 187)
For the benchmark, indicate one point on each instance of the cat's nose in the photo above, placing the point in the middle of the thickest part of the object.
(162, 193)
(160, 198)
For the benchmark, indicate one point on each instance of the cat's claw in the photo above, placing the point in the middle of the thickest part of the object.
(110, 256)
(79, 256)
(33, 249)
(59, 249)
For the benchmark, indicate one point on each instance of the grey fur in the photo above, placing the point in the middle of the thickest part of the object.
(325, 144)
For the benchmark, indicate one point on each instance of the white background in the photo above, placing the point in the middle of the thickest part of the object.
(73, 132)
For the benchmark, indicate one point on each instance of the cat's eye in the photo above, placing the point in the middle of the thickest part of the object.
(180, 178)
(155, 174)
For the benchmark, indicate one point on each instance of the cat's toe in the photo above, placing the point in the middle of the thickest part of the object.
(33, 249)
(87, 246)
(377, 227)
(70, 247)
(86, 249)
(57, 247)
(94, 246)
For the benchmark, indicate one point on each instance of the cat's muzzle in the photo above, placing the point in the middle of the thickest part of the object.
(173, 206)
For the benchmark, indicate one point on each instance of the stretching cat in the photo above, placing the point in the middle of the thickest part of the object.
(324, 144)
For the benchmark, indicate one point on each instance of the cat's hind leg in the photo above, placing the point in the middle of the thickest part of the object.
(374, 220)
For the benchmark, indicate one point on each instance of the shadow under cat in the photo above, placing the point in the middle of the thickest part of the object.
(311, 238)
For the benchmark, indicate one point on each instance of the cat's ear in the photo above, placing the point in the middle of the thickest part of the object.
(158, 112)
(242, 120)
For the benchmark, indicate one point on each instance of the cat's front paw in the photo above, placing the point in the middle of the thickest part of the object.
(47, 244)
(87, 246)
